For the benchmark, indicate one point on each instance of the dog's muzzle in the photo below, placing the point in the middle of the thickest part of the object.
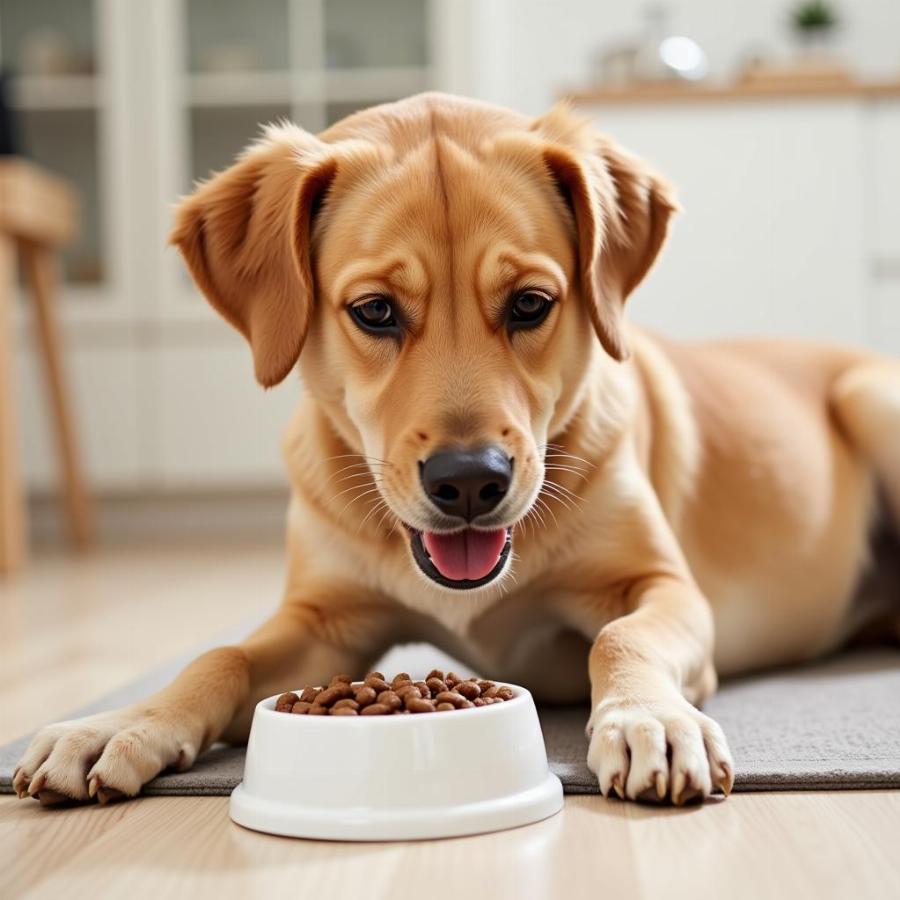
(464, 484)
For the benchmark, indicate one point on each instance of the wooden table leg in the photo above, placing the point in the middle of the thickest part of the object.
(40, 265)
(13, 521)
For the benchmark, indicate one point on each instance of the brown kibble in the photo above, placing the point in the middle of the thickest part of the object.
(418, 705)
(334, 693)
(365, 695)
(286, 702)
(450, 697)
(379, 684)
(402, 696)
(407, 689)
(346, 703)
(390, 700)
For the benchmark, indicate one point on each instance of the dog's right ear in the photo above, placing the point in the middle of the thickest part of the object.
(245, 236)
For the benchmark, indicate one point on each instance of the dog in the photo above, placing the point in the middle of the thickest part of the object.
(487, 456)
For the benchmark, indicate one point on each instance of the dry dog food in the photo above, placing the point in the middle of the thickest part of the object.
(376, 696)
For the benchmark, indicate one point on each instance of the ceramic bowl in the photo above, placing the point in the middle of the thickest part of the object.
(378, 778)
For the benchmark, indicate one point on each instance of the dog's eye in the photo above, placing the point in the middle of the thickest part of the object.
(528, 309)
(375, 314)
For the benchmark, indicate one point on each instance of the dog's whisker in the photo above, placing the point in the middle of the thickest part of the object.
(557, 487)
(353, 456)
(354, 475)
(356, 499)
(367, 467)
(561, 499)
(387, 512)
(353, 487)
(545, 506)
(537, 517)
(578, 473)
(563, 452)
(381, 504)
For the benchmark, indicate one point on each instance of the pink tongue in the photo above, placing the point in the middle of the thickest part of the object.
(467, 554)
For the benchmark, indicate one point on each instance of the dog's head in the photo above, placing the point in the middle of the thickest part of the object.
(444, 265)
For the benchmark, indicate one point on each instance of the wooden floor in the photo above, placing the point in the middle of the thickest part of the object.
(72, 630)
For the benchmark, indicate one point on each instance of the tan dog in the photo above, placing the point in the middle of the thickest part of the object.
(471, 466)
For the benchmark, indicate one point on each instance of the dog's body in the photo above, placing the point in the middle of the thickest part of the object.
(652, 501)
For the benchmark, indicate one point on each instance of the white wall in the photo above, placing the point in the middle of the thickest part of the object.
(537, 48)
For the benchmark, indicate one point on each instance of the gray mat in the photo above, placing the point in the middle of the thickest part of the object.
(834, 725)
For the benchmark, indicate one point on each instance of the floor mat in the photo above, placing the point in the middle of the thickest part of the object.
(833, 725)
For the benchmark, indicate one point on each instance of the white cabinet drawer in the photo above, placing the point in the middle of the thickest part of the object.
(771, 238)
(884, 179)
(103, 388)
(215, 426)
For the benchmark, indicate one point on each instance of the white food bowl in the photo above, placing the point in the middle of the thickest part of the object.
(381, 778)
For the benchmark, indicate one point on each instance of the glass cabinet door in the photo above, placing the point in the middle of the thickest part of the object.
(49, 53)
(238, 77)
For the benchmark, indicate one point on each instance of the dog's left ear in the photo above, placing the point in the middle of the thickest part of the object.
(622, 211)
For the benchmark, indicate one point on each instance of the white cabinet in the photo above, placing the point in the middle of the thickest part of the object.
(134, 102)
(790, 222)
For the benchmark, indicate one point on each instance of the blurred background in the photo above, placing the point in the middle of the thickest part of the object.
(779, 122)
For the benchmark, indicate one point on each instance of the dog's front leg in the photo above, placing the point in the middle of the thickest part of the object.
(113, 754)
(647, 668)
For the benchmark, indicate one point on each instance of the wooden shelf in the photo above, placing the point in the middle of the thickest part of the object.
(811, 89)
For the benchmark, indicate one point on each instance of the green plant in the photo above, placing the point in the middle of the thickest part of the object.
(814, 15)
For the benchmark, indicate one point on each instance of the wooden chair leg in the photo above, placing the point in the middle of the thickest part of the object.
(13, 520)
(40, 271)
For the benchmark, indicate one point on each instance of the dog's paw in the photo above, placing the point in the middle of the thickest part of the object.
(666, 750)
(106, 757)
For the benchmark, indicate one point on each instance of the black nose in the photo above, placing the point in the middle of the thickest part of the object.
(467, 483)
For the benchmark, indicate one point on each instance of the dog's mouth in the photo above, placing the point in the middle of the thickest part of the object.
(464, 559)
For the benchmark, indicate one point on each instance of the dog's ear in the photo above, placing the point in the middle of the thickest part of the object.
(245, 236)
(622, 211)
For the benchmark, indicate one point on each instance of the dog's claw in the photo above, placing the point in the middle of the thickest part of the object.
(36, 784)
(725, 779)
(617, 786)
(660, 785)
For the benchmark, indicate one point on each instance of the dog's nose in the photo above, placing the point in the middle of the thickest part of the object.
(467, 483)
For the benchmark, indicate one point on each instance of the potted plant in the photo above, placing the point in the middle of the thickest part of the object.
(815, 24)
